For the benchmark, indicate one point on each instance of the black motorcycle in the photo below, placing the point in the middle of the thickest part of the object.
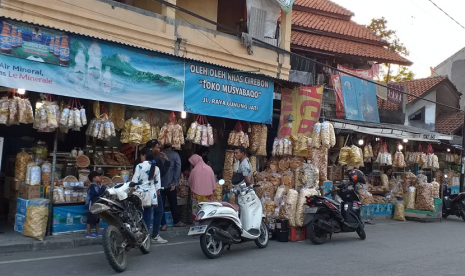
(126, 228)
(325, 216)
(452, 204)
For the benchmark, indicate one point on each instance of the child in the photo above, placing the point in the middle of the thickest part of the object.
(93, 194)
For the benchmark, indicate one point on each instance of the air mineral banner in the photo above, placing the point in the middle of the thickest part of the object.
(214, 91)
(34, 43)
(304, 104)
(102, 71)
(359, 99)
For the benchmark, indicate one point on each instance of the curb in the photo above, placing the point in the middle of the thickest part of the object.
(69, 241)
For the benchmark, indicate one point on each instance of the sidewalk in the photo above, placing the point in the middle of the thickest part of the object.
(11, 241)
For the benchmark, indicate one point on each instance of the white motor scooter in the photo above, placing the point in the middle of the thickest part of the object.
(222, 224)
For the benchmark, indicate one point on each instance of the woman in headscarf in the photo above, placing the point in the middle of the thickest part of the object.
(201, 181)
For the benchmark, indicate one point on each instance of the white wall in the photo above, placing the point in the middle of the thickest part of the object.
(430, 112)
(454, 68)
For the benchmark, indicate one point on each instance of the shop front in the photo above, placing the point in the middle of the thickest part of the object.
(73, 104)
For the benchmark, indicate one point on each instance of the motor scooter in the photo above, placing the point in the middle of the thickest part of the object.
(452, 204)
(221, 224)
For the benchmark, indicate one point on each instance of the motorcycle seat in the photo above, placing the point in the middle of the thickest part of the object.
(233, 206)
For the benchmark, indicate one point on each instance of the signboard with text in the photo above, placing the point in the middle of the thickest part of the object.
(215, 91)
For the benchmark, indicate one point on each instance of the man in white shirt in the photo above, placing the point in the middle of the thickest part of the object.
(244, 165)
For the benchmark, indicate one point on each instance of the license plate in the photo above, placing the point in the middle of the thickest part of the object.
(197, 230)
(310, 210)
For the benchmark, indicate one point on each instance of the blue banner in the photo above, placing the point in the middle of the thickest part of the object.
(214, 91)
(359, 97)
(98, 70)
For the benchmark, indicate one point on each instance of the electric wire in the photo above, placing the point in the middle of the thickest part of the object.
(447, 14)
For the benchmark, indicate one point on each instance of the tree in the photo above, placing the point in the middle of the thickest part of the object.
(379, 27)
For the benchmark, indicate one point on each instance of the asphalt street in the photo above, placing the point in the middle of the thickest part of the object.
(391, 248)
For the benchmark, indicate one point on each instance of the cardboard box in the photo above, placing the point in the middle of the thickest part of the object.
(30, 192)
(14, 194)
(19, 222)
(21, 206)
(11, 187)
(169, 219)
(14, 185)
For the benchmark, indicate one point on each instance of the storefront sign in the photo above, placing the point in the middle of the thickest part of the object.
(214, 91)
(34, 43)
(359, 99)
(304, 104)
(103, 71)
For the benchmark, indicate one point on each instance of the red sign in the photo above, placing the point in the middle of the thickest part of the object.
(363, 73)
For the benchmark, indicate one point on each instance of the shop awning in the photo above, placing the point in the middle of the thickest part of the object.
(391, 130)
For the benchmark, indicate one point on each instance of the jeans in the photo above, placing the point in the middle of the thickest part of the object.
(158, 214)
(147, 216)
(172, 197)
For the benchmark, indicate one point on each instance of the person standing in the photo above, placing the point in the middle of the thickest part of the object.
(93, 194)
(201, 181)
(147, 178)
(161, 159)
(244, 165)
(168, 183)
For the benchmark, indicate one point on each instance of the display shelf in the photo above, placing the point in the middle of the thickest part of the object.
(111, 166)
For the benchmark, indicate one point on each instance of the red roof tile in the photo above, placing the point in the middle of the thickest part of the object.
(385, 105)
(340, 46)
(447, 123)
(333, 25)
(325, 6)
(419, 87)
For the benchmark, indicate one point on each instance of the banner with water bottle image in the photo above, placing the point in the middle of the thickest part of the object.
(96, 70)
(34, 43)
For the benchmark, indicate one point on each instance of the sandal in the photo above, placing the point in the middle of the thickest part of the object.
(180, 224)
(164, 227)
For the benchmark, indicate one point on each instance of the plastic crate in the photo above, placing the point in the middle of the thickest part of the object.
(297, 233)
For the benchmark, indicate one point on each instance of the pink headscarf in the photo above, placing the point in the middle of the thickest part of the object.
(202, 179)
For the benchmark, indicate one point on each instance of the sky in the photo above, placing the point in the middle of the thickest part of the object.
(429, 35)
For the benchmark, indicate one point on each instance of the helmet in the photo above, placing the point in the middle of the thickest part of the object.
(356, 176)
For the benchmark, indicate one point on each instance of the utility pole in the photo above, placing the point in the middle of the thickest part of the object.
(462, 169)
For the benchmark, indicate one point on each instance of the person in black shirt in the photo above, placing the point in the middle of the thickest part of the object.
(161, 159)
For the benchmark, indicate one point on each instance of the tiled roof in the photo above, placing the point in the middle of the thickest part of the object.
(325, 6)
(385, 105)
(340, 46)
(419, 87)
(447, 123)
(333, 25)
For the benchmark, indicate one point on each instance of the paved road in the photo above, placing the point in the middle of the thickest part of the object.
(391, 248)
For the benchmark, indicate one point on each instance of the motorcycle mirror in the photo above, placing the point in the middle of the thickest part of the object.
(221, 182)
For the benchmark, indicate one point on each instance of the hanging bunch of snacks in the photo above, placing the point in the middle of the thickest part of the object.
(171, 133)
(384, 157)
(15, 110)
(287, 211)
(73, 116)
(201, 132)
(368, 151)
(399, 210)
(420, 157)
(436, 188)
(47, 116)
(319, 157)
(356, 156)
(316, 137)
(281, 147)
(238, 137)
(117, 115)
(309, 175)
(302, 203)
(328, 137)
(102, 128)
(132, 131)
(399, 160)
(344, 155)
(262, 143)
(410, 156)
(21, 165)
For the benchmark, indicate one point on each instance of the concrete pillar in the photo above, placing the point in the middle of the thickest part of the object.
(285, 43)
(170, 13)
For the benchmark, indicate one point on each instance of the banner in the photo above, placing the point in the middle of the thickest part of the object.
(359, 99)
(363, 73)
(214, 91)
(336, 81)
(34, 43)
(304, 104)
(102, 71)
(394, 96)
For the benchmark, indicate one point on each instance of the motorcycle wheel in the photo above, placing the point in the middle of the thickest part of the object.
(463, 215)
(361, 232)
(116, 255)
(316, 235)
(263, 239)
(145, 247)
(210, 247)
